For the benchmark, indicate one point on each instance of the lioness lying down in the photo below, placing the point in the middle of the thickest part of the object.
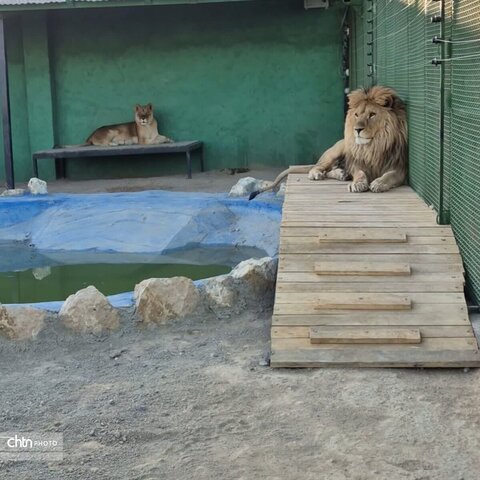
(373, 152)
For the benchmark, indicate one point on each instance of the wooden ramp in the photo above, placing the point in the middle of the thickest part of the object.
(367, 280)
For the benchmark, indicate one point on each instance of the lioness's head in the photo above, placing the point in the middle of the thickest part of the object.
(144, 114)
(372, 113)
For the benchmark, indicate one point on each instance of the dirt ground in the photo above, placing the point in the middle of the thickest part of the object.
(211, 181)
(196, 400)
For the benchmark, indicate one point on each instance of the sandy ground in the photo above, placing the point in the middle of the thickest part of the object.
(211, 181)
(196, 400)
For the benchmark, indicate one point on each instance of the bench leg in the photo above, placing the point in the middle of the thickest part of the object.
(202, 169)
(35, 167)
(189, 165)
(60, 167)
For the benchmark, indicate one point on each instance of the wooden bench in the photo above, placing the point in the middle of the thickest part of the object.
(61, 154)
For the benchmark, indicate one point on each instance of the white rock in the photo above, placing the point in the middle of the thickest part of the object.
(89, 311)
(159, 300)
(255, 281)
(22, 323)
(220, 292)
(13, 192)
(37, 186)
(245, 186)
(256, 271)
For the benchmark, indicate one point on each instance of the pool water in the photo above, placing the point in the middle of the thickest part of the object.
(29, 275)
(46, 284)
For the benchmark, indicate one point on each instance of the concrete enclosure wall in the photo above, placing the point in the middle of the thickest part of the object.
(259, 82)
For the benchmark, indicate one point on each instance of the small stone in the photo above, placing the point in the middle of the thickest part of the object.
(89, 311)
(37, 186)
(111, 401)
(117, 353)
(466, 370)
(92, 433)
(140, 407)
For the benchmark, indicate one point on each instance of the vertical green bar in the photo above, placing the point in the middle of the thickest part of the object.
(38, 86)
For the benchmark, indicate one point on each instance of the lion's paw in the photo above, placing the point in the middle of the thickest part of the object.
(337, 174)
(357, 187)
(378, 186)
(315, 174)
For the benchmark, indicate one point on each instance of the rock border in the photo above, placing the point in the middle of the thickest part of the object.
(158, 301)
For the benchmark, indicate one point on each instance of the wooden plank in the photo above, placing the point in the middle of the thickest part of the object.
(306, 261)
(421, 314)
(355, 301)
(355, 208)
(365, 335)
(312, 293)
(286, 246)
(303, 331)
(452, 343)
(372, 287)
(367, 235)
(378, 357)
(416, 278)
(287, 239)
(361, 268)
(340, 218)
(411, 232)
(351, 224)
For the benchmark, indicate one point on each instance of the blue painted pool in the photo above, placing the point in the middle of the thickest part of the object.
(38, 233)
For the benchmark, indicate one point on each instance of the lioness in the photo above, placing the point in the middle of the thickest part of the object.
(143, 131)
(373, 152)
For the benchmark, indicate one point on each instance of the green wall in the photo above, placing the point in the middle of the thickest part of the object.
(259, 82)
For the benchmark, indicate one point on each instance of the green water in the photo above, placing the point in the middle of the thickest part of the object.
(59, 282)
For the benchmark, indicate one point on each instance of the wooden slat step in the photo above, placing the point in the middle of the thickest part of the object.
(365, 235)
(312, 293)
(288, 245)
(378, 357)
(375, 301)
(432, 313)
(361, 268)
(364, 335)
(433, 231)
(386, 286)
(462, 343)
(426, 331)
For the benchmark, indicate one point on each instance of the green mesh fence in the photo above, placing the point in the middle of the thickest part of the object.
(465, 140)
(443, 101)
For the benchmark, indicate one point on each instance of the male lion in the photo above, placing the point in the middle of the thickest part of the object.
(373, 152)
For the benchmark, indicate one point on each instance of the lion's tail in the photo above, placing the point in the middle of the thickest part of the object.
(295, 169)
